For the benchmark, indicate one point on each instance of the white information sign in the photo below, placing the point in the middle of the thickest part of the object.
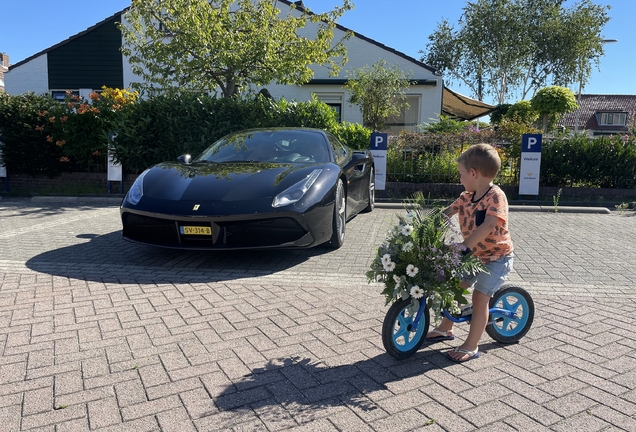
(530, 164)
(379, 144)
(114, 169)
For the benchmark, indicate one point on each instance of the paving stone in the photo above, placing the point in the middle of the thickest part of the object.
(128, 338)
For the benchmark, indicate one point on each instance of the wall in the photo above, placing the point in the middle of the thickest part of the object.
(31, 76)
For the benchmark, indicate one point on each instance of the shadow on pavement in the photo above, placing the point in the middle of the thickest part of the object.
(110, 259)
(306, 385)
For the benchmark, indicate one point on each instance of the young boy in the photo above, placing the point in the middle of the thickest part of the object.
(483, 217)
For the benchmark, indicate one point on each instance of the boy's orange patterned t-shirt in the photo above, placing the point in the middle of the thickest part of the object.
(472, 214)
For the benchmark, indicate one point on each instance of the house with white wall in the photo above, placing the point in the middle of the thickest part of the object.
(91, 59)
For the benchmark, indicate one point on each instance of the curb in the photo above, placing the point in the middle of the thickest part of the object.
(522, 208)
(76, 200)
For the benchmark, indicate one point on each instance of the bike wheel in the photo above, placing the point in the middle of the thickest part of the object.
(399, 337)
(509, 330)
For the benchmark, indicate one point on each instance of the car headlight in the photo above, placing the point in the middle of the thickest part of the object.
(296, 192)
(137, 189)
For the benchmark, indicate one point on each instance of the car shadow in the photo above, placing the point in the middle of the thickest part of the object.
(109, 258)
(303, 385)
(23, 207)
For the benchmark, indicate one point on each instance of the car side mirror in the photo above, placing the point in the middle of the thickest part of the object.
(185, 159)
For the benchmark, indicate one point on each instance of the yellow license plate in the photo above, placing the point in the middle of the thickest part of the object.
(196, 230)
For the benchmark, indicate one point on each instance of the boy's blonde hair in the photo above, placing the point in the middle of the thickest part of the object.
(481, 157)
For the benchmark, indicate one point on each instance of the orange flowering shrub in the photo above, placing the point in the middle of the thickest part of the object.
(81, 127)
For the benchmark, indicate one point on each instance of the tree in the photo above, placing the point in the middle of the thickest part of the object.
(522, 112)
(506, 47)
(228, 44)
(553, 101)
(379, 91)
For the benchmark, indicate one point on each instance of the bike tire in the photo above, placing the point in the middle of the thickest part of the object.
(397, 337)
(511, 330)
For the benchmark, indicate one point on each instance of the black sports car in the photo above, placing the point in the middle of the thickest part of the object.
(260, 188)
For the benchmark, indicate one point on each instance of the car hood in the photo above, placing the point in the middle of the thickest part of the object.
(222, 181)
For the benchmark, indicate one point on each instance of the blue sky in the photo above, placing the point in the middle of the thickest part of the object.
(30, 26)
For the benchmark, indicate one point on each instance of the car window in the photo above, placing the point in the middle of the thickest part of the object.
(340, 152)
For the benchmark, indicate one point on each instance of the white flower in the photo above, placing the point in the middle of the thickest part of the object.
(407, 230)
(386, 259)
(411, 270)
(407, 246)
(409, 216)
(397, 279)
(389, 267)
(417, 292)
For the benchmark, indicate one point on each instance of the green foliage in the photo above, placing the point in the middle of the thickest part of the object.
(509, 47)
(81, 127)
(437, 165)
(379, 91)
(522, 112)
(353, 135)
(314, 114)
(554, 100)
(499, 113)
(163, 127)
(511, 131)
(228, 44)
(555, 200)
(26, 147)
(552, 103)
(604, 162)
(445, 124)
(431, 157)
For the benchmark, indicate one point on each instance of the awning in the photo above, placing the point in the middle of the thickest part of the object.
(462, 107)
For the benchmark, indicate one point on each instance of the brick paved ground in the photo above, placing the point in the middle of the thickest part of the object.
(100, 334)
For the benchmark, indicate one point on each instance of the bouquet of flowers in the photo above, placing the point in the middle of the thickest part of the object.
(421, 259)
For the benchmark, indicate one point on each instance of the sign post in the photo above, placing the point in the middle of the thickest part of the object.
(530, 164)
(379, 144)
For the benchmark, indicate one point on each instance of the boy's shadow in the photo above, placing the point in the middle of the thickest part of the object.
(302, 384)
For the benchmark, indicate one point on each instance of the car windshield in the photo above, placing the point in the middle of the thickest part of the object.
(275, 146)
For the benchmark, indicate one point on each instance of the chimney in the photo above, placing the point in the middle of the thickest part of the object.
(4, 67)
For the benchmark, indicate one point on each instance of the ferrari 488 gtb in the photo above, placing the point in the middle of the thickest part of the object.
(260, 188)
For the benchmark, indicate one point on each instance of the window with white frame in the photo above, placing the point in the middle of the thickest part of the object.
(334, 100)
(613, 119)
(409, 117)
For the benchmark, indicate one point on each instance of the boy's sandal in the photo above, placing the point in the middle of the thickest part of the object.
(471, 354)
(443, 336)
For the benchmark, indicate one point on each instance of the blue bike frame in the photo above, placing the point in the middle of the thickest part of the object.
(460, 319)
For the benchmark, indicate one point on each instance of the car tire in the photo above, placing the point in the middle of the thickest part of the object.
(339, 217)
(371, 192)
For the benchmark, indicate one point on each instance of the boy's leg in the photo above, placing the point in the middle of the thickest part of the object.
(477, 326)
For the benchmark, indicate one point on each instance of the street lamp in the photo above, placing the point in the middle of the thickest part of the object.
(578, 96)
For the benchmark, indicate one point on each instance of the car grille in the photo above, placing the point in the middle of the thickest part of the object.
(233, 234)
